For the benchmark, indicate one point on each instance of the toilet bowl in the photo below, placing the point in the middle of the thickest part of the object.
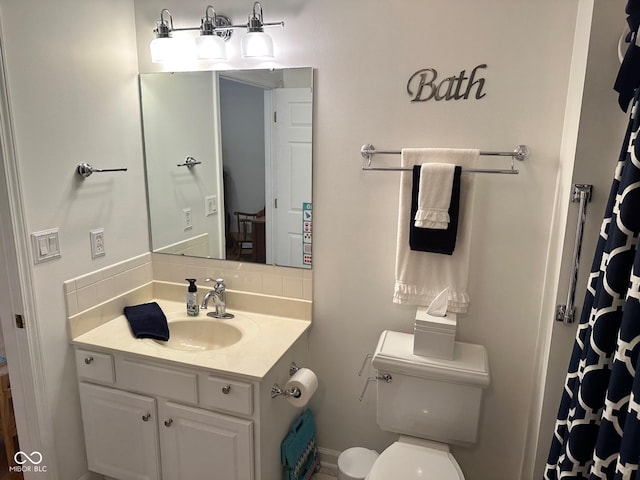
(412, 458)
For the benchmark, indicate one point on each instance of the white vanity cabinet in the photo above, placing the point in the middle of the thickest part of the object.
(151, 420)
(197, 443)
(121, 433)
(139, 430)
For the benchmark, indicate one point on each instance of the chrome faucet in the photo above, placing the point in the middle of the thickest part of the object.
(218, 295)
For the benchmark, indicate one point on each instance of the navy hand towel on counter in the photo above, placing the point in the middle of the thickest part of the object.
(147, 321)
(433, 240)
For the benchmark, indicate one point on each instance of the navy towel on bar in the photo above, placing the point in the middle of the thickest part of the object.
(147, 321)
(432, 240)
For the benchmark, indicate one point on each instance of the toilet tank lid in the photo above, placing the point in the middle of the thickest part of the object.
(394, 353)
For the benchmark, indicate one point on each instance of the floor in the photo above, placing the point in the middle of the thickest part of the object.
(4, 470)
(4, 467)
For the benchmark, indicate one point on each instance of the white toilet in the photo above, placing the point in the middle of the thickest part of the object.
(431, 403)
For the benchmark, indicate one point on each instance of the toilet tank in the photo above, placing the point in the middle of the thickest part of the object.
(429, 397)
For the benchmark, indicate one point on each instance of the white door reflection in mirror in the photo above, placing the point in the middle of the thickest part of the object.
(292, 134)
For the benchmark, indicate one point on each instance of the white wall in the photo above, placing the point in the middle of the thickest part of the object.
(364, 53)
(74, 98)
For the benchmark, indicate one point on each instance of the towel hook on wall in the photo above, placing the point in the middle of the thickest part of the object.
(85, 170)
(189, 162)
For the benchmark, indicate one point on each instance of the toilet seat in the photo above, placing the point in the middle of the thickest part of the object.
(408, 461)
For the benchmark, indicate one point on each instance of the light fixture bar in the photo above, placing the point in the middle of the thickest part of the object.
(225, 26)
(266, 24)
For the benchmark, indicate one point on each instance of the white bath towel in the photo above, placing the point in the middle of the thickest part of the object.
(434, 195)
(420, 276)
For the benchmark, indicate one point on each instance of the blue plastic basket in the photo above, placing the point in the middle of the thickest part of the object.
(299, 451)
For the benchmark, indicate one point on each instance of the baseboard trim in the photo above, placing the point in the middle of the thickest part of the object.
(328, 461)
(92, 476)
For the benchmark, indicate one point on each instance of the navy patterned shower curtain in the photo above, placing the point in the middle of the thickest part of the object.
(597, 433)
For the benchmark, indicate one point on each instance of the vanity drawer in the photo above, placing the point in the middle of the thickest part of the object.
(224, 394)
(154, 380)
(95, 366)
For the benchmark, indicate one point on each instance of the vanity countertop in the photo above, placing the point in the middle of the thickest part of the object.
(265, 338)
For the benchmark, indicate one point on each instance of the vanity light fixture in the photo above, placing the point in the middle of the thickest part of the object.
(214, 31)
(163, 45)
(210, 44)
(256, 43)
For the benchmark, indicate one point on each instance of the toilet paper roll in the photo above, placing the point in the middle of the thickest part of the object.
(306, 382)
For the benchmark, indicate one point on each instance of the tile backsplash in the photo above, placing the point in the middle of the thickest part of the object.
(248, 277)
(87, 291)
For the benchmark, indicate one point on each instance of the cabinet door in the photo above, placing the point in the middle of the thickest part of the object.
(121, 433)
(200, 445)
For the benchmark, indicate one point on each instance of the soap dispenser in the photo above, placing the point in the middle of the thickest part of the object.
(192, 300)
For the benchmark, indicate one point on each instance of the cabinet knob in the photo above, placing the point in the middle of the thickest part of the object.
(226, 389)
(145, 418)
(88, 360)
(168, 423)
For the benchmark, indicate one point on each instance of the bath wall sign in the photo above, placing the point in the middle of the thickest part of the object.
(426, 84)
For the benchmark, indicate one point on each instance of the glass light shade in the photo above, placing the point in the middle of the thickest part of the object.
(163, 49)
(211, 47)
(257, 45)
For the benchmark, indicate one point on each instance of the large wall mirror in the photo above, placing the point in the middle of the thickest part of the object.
(228, 164)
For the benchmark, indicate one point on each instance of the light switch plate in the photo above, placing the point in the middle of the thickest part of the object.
(46, 245)
(210, 205)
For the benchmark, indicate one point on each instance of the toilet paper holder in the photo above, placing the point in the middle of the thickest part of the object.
(276, 391)
(295, 392)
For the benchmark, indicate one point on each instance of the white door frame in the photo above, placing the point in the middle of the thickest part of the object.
(269, 174)
(23, 346)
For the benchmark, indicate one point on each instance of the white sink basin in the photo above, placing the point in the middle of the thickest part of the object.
(194, 335)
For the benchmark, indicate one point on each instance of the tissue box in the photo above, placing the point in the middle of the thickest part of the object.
(434, 336)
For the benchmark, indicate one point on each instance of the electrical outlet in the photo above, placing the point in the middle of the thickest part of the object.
(187, 221)
(97, 243)
(210, 205)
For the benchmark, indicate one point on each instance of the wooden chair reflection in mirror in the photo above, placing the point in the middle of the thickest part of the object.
(249, 237)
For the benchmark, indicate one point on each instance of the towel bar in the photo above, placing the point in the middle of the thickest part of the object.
(520, 153)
